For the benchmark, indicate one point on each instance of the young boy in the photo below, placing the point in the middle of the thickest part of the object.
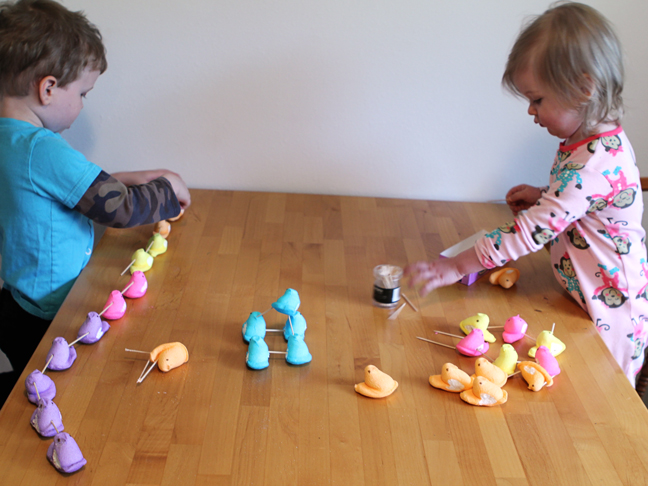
(50, 59)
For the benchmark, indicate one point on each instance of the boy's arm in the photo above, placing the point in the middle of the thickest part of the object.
(110, 203)
(145, 176)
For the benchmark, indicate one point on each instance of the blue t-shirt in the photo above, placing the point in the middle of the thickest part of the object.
(44, 243)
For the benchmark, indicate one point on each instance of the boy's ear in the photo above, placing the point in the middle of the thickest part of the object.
(45, 89)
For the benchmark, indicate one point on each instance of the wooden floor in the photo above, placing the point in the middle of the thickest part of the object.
(216, 422)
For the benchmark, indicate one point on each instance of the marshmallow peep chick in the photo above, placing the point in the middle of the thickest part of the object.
(484, 393)
(92, 329)
(550, 341)
(505, 277)
(62, 356)
(377, 384)
(488, 370)
(163, 228)
(451, 379)
(535, 375)
(478, 321)
(169, 356)
(507, 359)
(47, 419)
(143, 261)
(176, 218)
(39, 385)
(158, 245)
(547, 360)
(64, 454)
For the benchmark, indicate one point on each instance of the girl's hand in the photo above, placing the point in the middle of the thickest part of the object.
(522, 197)
(444, 271)
(433, 275)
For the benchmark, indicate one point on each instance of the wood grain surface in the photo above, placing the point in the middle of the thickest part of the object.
(213, 421)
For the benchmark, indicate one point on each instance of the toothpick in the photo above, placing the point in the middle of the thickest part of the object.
(107, 307)
(530, 337)
(145, 366)
(128, 287)
(274, 330)
(36, 388)
(126, 269)
(54, 425)
(394, 314)
(266, 311)
(496, 327)
(409, 302)
(136, 351)
(553, 327)
(513, 374)
(149, 247)
(78, 339)
(146, 374)
(434, 342)
(291, 328)
(277, 352)
(47, 364)
(448, 334)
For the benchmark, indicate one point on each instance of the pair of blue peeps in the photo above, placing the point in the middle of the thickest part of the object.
(255, 326)
(258, 355)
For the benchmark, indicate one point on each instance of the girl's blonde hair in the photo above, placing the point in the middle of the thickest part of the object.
(574, 53)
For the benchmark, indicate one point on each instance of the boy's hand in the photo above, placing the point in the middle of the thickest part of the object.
(522, 197)
(180, 189)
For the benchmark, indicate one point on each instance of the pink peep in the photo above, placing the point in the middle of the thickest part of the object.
(118, 307)
(547, 360)
(473, 344)
(138, 287)
(514, 329)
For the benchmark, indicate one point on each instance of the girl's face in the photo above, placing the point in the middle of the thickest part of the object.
(560, 121)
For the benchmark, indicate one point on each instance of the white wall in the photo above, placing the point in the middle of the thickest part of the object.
(398, 98)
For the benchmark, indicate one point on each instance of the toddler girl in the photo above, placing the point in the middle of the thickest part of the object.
(567, 63)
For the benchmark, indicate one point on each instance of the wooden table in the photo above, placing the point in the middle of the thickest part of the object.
(213, 421)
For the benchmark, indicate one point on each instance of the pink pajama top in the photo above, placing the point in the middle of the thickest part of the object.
(591, 213)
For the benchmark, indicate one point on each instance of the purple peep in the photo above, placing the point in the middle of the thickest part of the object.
(37, 384)
(62, 355)
(93, 328)
(64, 454)
(47, 419)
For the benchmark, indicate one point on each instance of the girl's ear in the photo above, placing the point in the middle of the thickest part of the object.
(588, 88)
(45, 89)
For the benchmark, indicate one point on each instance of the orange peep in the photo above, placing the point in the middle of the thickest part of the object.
(169, 356)
(505, 277)
(163, 227)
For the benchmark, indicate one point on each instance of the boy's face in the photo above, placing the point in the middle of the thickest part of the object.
(546, 110)
(66, 103)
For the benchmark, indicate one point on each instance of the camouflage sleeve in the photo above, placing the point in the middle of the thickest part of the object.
(110, 203)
